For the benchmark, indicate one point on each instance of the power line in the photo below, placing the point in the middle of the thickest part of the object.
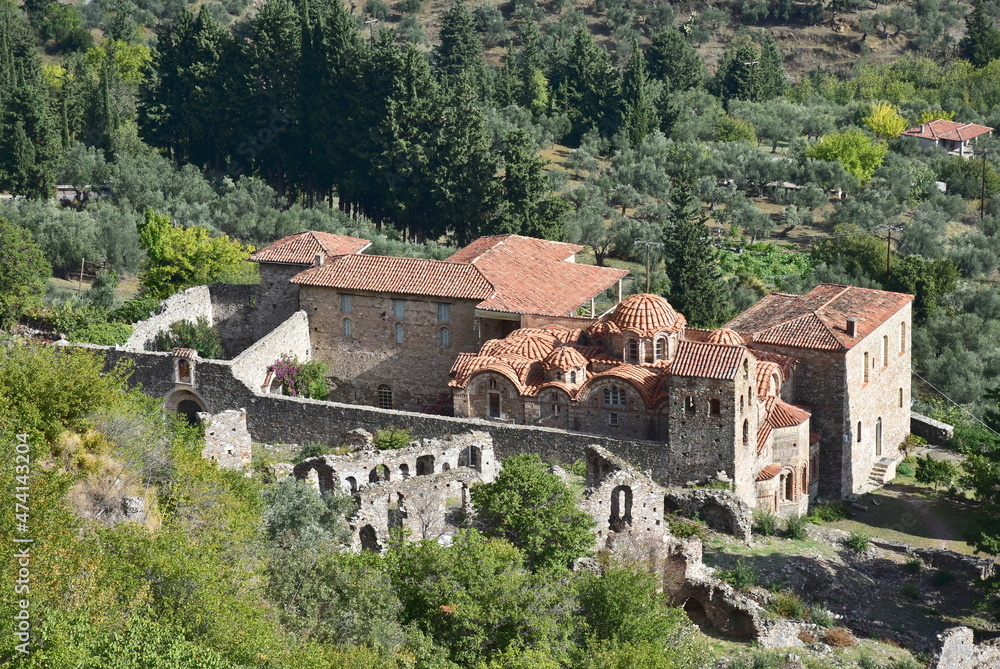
(961, 407)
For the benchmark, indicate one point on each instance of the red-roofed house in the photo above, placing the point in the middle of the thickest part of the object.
(951, 135)
(853, 348)
(391, 328)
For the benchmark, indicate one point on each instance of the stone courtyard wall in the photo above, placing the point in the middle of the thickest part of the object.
(187, 305)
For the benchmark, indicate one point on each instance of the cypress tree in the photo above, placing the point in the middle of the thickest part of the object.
(769, 73)
(675, 62)
(460, 53)
(981, 43)
(587, 86)
(638, 106)
(697, 288)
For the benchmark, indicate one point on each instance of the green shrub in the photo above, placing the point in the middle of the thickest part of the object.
(135, 310)
(941, 578)
(578, 467)
(410, 6)
(911, 591)
(103, 334)
(377, 9)
(759, 659)
(904, 469)
(392, 438)
(857, 542)
(200, 336)
(913, 566)
(828, 512)
(795, 527)
(743, 575)
(930, 471)
(869, 662)
(718, 484)
(300, 379)
(821, 616)
(788, 605)
(904, 663)
(683, 528)
(765, 523)
(315, 449)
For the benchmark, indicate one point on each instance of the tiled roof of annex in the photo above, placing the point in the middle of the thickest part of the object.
(401, 276)
(535, 276)
(302, 248)
(818, 319)
(949, 130)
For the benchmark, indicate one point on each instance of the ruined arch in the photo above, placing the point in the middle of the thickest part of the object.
(378, 473)
(404, 471)
(621, 508)
(187, 402)
(369, 539)
(425, 465)
(351, 485)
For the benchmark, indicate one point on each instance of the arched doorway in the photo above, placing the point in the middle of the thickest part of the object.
(187, 403)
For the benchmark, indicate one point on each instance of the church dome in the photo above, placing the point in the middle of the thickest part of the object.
(725, 336)
(531, 343)
(564, 359)
(647, 314)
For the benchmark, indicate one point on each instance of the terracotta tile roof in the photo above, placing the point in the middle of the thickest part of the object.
(302, 248)
(646, 314)
(818, 319)
(785, 363)
(564, 358)
(768, 472)
(763, 434)
(949, 130)
(532, 276)
(531, 343)
(536, 248)
(710, 361)
(764, 372)
(401, 276)
(725, 336)
(185, 353)
(647, 380)
(782, 414)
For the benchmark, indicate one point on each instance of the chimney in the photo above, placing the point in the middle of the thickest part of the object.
(319, 260)
(852, 327)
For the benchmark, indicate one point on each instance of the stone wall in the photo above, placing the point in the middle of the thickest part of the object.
(721, 510)
(278, 297)
(934, 431)
(236, 316)
(227, 440)
(415, 370)
(960, 651)
(187, 305)
(621, 499)
(289, 338)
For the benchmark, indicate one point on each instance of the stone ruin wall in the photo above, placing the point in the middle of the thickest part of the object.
(187, 305)
(227, 440)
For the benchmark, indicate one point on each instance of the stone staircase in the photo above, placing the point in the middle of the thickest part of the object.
(879, 472)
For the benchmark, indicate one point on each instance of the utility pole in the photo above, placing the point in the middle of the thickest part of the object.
(888, 245)
(79, 288)
(647, 244)
(371, 23)
(751, 64)
(982, 190)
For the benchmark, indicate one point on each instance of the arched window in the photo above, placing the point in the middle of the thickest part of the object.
(348, 327)
(900, 398)
(805, 479)
(621, 508)
(714, 408)
(400, 333)
(661, 345)
(614, 396)
(746, 432)
(404, 471)
(789, 486)
(572, 377)
(183, 371)
(885, 351)
(866, 366)
(384, 394)
(633, 350)
(878, 437)
(859, 431)
(746, 369)
(741, 403)
(425, 465)
(444, 337)
(775, 385)
(346, 303)
(902, 337)
(689, 405)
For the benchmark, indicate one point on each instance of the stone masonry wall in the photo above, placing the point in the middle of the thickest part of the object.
(236, 316)
(187, 305)
(621, 499)
(227, 440)
(289, 338)
(416, 370)
(278, 297)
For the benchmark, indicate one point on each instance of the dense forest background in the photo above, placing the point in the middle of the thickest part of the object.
(759, 142)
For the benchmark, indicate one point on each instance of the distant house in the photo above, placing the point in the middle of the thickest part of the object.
(952, 136)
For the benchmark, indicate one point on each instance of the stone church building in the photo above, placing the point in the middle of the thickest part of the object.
(800, 395)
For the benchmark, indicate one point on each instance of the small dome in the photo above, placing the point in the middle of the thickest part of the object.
(646, 315)
(564, 358)
(725, 336)
(530, 343)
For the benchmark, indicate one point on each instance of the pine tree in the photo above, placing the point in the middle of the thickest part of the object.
(526, 207)
(697, 287)
(769, 77)
(981, 43)
(675, 62)
(460, 53)
(735, 77)
(586, 85)
(638, 105)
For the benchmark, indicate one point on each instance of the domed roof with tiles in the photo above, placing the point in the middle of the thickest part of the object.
(725, 336)
(564, 358)
(647, 314)
(530, 343)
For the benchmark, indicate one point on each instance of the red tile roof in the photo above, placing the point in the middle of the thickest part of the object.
(302, 248)
(724, 336)
(949, 130)
(768, 472)
(818, 319)
(783, 414)
(564, 358)
(646, 315)
(536, 248)
(533, 276)
(401, 276)
(710, 361)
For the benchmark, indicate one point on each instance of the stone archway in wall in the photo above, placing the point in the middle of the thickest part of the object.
(186, 402)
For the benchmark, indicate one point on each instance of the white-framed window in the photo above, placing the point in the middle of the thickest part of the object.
(346, 303)
(399, 308)
(613, 418)
(444, 312)
(348, 327)
(660, 349)
(614, 396)
(400, 333)
(444, 337)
